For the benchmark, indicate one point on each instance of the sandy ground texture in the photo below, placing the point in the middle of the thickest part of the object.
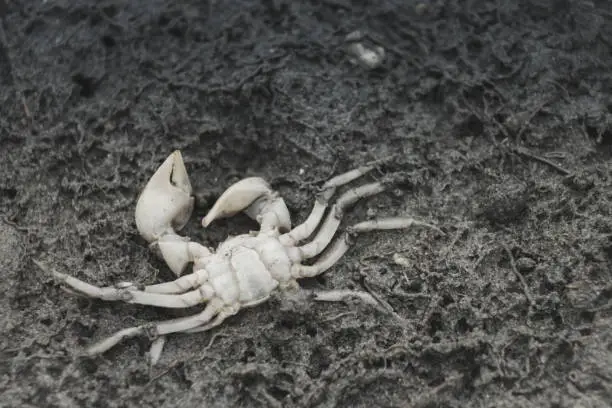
(499, 113)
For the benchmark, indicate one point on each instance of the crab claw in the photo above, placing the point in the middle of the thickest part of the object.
(254, 196)
(166, 203)
(237, 198)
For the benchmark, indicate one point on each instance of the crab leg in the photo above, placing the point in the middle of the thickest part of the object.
(365, 297)
(306, 229)
(330, 226)
(177, 286)
(391, 223)
(158, 344)
(158, 329)
(201, 294)
(341, 245)
(326, 261)
(220, 318)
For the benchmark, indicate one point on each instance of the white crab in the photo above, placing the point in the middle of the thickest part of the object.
(244, 270)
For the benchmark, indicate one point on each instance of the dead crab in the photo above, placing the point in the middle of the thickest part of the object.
(245, 269)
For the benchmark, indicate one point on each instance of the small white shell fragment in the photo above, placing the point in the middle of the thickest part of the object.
(368, 56)
(401, 260)
(156, 350)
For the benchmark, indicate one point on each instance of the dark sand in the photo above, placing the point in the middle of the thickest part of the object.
(500, 112)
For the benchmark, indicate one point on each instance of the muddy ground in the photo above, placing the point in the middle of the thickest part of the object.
(499, 114)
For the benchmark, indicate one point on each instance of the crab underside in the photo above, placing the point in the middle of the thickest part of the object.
(244, 270)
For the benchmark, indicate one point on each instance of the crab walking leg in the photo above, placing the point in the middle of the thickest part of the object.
(341, 245)
(184, 300)
(342, 295)
(158, 329)
(326, 261)
(157, 347)
(173, 301)
(306, 229)
(158, 344)
(365, 297)
(180, 285)
(391, 223)
(330, 226)
(113, 340)
(223, 314)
